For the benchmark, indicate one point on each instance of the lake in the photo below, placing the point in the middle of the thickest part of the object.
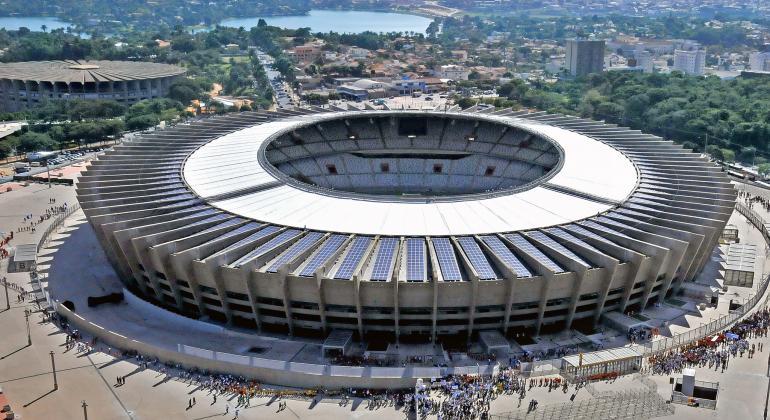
(32, 23)
(342, 21)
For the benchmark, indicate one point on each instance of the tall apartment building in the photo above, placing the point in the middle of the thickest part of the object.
(585, 56)
(690, 62)
(644, 60)
(759, 61)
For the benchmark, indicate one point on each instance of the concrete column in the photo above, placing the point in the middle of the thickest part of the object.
(359, 309)
(321, 301)
(253, 292)
(286, 299)
(217, 274)
(394, 281)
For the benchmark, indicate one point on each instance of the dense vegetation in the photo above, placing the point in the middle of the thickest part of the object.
(733, 116)
(524, 26)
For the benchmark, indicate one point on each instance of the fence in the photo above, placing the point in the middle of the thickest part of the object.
(57, 221)
(630, 404)
(37, 287)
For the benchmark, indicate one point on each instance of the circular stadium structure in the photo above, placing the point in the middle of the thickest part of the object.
(404, 225)
(27, 84)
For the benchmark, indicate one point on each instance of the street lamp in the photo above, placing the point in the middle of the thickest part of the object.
(7, 299)
(85, 410)
(29, 333)
(53, 369)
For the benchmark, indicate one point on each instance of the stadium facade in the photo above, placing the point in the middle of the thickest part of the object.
(401, 225)
(28, 84)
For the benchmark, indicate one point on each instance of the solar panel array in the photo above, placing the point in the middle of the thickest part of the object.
(301, 246)
(327, 249)
(585, 232)
(353, 257)
(546, 240)
(268, 230)
(381, 270)
(602, 228)
(563, 234)
(505, 254)
(416, 267)
(447, 260)
(526, 247)
(267, 246)
(477, 258)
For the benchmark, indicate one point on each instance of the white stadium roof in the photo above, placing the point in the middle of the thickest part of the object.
(229, 174)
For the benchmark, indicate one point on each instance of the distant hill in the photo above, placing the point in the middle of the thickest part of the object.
(146, 13)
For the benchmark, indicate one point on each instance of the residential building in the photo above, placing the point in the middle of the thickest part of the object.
(585, 56)
(759, 61)
(452, 71)
(363, 89)
(305, 53)
(644, 61)
(690, 62)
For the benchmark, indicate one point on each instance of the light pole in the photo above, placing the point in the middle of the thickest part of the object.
(85, 410)
(7, 299)
(53, 368)
(48, 172)
(29, 333)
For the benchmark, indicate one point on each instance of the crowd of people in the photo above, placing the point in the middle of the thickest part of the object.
(715, 351)
(750, 200)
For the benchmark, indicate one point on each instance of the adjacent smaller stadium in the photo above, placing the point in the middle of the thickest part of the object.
(30, 83)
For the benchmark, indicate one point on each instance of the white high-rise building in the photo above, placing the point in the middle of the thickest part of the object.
(644, 60)
(759, 61)
(690, 62)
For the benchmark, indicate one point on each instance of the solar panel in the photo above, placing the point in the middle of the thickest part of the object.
(447, 260)
(267, 246)
(353, 257)
(505, 254)
(602, 228)
(526, 247)
(545, 239)
(585, 232)
(415, 259)
(621, 226)
(327, 249)
(563, 234)
(381, 270)
(477, 258)
(251, 238)
(301, 246)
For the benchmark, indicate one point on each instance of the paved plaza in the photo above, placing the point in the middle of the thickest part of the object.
(75, 266)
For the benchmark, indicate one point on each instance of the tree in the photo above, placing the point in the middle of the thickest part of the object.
(5, 149)
(763, 169)
(34, 142)
(728, 155)
(715, 151)
(142, 122)
(465, 103)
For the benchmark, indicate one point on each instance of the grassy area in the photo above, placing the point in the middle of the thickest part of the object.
(236, 58)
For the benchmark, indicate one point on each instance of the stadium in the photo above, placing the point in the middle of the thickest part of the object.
(30, 83)
(404, 225)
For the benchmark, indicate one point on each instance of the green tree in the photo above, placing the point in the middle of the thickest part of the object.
(142, 122)
(728, 155)
(34, 142)
(763, 169)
